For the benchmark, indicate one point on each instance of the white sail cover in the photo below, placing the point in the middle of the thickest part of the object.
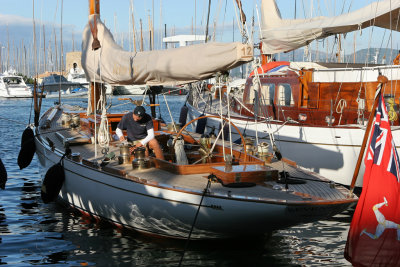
(279, 35)
(113, 65)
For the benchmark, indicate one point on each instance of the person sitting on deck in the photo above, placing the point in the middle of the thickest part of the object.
(140, 130)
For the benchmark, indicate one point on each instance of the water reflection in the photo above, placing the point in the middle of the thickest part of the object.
(3, 230)
(97, 242)
(29, 198)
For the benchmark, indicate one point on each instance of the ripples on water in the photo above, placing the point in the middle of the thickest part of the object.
(34, 233)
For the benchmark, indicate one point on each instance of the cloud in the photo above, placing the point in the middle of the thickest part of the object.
(14, 20)
(21, 29)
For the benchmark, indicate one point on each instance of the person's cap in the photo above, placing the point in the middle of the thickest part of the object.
(139, 111)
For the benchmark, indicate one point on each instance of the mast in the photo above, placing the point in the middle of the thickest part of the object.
(152, 27)
(34, 37)
(208, 19)
(295, 16)
(1, 60)
(161, 18)
(25, 63)
(94, 9)
(141, 36)
(61, 38)
(55, 48)
(165, 35)
(339, 48)
(8, 44)
(14, 56)
(44, 50)
(354, 45)
(133, 27)
(73, 41)
(150, 33)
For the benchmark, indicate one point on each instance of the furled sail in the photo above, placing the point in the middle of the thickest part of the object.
(279, 35)
(113, 65)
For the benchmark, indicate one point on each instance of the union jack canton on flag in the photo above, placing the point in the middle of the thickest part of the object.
(374, 234)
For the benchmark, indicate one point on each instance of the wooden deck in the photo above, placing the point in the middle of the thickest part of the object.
(314, 188)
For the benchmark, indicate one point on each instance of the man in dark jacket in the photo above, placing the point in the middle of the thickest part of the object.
(140, 130)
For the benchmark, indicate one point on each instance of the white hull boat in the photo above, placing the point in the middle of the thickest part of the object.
(199, 187)
(161, 201)
(13, 86)
(316, 111)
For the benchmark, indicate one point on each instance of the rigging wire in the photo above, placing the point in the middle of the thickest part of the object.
(220, 107)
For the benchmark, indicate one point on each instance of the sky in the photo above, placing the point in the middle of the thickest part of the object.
(179, 16)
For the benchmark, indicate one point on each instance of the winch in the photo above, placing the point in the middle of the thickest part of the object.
(124, 154)
(66, 119)
(75, 121)
(140, 162)
(205, 147)
(249, 145)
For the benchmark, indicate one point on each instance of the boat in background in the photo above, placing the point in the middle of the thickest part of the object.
(202, 187)
(132, 89)
(56, 82)
(13, 86)
(77, 75)
(315, 112)
(74, 93)
(141, 90)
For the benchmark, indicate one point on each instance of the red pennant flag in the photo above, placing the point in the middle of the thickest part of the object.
(374, 234)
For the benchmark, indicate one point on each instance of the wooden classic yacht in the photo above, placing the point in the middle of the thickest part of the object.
(205, 188)
(241, 197)
(316, 112)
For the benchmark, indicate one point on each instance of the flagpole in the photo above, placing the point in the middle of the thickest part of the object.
(382, 80)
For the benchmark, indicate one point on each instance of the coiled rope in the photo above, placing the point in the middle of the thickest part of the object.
(339, 108)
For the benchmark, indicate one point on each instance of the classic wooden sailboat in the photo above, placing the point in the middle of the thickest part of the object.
(316, 111)
(205, 188)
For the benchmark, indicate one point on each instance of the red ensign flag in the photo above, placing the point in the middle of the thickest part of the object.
(374, 235)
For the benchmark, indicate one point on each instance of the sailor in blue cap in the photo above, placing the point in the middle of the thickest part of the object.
(140, 130)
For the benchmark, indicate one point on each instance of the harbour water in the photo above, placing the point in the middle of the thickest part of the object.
(34, 233)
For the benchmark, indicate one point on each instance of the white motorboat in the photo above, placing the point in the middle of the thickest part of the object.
(13, 86)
